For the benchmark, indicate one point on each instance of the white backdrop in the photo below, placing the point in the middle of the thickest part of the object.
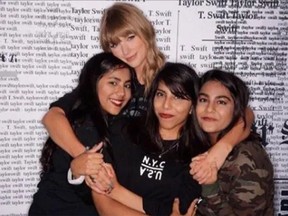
(44, 44)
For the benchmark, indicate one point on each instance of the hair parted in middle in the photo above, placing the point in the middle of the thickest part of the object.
(183, 82)
(122, 19)
(238, 90)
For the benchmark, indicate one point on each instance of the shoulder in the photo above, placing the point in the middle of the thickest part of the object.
(249, 159)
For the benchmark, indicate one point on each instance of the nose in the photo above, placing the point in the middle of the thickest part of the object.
(210, 107)
(124, 48)
(167, 103)
(120, 91)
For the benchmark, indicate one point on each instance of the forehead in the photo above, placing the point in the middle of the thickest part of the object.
(114, 35)
(162, 86)
(215, 88)
(120, 73)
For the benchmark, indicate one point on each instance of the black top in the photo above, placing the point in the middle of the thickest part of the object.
(158, 180)
(55, 195)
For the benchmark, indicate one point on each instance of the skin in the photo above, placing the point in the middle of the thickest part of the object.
(133, 51)
(214, 112)
(114, 92)
(214, 108)
(172, 113)
(216, 155)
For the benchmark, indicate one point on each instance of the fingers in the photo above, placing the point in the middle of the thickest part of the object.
(192, 208)
(175, 207)
(204, 172)
(109, 169)
(200, 157)
(96, 148)
(92, 183)
(102, 181)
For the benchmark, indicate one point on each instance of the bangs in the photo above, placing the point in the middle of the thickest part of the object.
(177, 90)
(115, 30)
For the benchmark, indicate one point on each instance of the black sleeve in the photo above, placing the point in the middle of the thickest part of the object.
(189, 190)
(66, 102)
(155, 207)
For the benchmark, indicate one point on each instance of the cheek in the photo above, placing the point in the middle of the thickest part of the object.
(116, 52)
(156, 105)
(227, 116)
(128, 94)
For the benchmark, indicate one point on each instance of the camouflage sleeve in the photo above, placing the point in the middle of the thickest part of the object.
(241, 187)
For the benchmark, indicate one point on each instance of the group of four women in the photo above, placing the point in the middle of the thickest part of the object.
(131, 127)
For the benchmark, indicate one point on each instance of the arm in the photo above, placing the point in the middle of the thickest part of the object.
(242, 188)
(107, 206)
(238, 133)
(120, 193)
(61, 132)
(188, 191)
(219, 151)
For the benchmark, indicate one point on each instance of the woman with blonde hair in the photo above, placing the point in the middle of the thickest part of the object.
(132, 39)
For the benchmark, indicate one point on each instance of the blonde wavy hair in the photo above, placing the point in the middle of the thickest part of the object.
(122, 19)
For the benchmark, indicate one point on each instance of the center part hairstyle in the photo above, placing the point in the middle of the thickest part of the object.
(238, 90)
(122, 19)
(87, 103)
(183, 82)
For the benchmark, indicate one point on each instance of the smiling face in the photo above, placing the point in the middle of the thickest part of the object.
(132, 50)
(171, 111)
(215, 107)
(114, 90)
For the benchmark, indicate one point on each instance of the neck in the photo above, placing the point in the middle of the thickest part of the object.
(140, 74)
(168, 134)
(213, 138)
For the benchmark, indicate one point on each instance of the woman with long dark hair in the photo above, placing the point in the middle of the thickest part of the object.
(244, 184)
(104, 89)
(152, 154)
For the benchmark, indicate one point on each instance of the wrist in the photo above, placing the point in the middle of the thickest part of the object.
(75, 181)
(210, 189)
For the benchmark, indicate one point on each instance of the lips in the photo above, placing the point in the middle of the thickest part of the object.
(116, 102)
(208, 119)
(165, 115)
(131, 58)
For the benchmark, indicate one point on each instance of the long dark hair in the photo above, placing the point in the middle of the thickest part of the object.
(87, 102)
(183, 82)
(238, 90)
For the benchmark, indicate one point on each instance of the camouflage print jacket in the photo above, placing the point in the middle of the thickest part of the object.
(245, 184)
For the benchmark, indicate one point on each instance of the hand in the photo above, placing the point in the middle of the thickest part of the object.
(88, 162)
(203, 170)
(190, 212)
(103, 182)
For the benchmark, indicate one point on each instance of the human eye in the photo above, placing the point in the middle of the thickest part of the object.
(131, 36)
(113, 83)
(177, 97)
(128, 85)
(222, 102)
(202, 100)
(159, 94)
(112, 45)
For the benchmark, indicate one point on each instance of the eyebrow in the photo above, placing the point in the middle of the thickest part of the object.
(218, 97)
(118, 79)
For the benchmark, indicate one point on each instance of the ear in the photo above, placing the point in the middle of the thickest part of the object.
(191, 109)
